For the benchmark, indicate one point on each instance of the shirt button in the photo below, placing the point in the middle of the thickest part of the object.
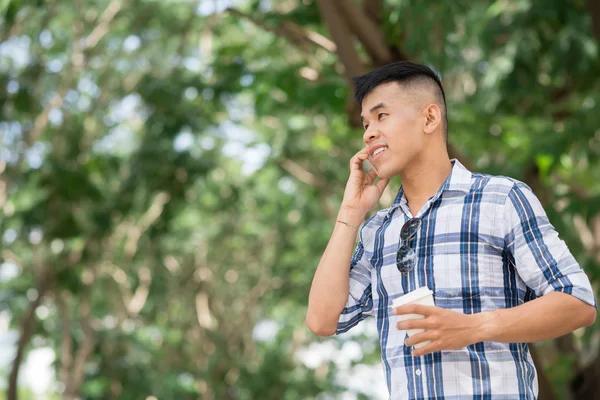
(418, 372)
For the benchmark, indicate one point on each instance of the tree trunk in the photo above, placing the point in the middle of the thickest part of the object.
(594, 9)
(367, 32)
(342, 37)
(26, 331)
(586, 383)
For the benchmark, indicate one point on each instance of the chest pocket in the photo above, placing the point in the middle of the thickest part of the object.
(462, 261)
(464, 271)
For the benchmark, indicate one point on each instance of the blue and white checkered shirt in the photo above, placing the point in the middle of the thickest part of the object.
(485, 243)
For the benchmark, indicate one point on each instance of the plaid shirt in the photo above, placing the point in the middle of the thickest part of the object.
(485, 243)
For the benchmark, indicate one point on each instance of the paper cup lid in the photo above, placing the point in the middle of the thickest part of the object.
(412, 296)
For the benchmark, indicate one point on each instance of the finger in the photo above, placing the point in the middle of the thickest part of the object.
(422, 337)
(430, 348)
(416, 309)
(382, 184)
(357, 160)
(371, 176)
(421, 323)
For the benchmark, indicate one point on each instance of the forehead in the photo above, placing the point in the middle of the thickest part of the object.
(389, 93)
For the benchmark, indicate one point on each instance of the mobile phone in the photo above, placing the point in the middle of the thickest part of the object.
(369, 165)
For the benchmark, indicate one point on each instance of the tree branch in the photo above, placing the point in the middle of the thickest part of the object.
(104, 21)
(291, 31)
(120, 278)
(205, 318)
(300, 173)
(307, 177)
(84, 351)
(9, 255)
(77, 65)
(136, 232)
(41, 120)
(310, 36)
(26, 331)
(66, 347)
(141, 293)
(276, 30)
(596, 230)
(341, 35)
(373, 9)
(367, 32)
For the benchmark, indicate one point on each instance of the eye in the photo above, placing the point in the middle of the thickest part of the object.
(366, 126)
(380, 115)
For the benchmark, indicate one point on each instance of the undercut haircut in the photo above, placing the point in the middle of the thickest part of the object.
(410, 76)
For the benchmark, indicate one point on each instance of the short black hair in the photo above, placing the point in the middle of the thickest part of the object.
(406, 73)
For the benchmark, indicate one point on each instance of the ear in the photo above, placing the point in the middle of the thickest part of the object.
(433, 118)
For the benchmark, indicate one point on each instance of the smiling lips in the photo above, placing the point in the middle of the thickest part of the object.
(378, 151)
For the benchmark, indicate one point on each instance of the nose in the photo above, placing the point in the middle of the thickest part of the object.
(370, 135)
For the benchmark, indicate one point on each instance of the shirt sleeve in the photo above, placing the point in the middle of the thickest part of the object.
(360, 298)
(541, 258)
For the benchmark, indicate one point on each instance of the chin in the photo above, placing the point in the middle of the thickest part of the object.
(385, 173)
(389, 171)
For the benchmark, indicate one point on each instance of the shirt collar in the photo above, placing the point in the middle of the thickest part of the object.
(459, 180)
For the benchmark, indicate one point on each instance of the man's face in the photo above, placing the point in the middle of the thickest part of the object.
(393, 122)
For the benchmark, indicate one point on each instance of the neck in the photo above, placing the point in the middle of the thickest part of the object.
(422, 179)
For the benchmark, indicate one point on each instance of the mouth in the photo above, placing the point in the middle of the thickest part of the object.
(378, 152)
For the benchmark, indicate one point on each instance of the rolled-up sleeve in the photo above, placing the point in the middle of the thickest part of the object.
(360, 298)
(541, 258)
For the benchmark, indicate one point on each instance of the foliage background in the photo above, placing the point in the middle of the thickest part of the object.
(170, 171)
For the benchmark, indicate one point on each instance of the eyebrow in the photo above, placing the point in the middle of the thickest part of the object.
(372, 110)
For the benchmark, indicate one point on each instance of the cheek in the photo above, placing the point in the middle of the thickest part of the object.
(394, 127)
(405, 122)
(404, 132)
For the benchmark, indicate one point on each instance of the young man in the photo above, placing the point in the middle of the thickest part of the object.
(500, 275)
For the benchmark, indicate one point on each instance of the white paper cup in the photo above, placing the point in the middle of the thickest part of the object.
(422, 296)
